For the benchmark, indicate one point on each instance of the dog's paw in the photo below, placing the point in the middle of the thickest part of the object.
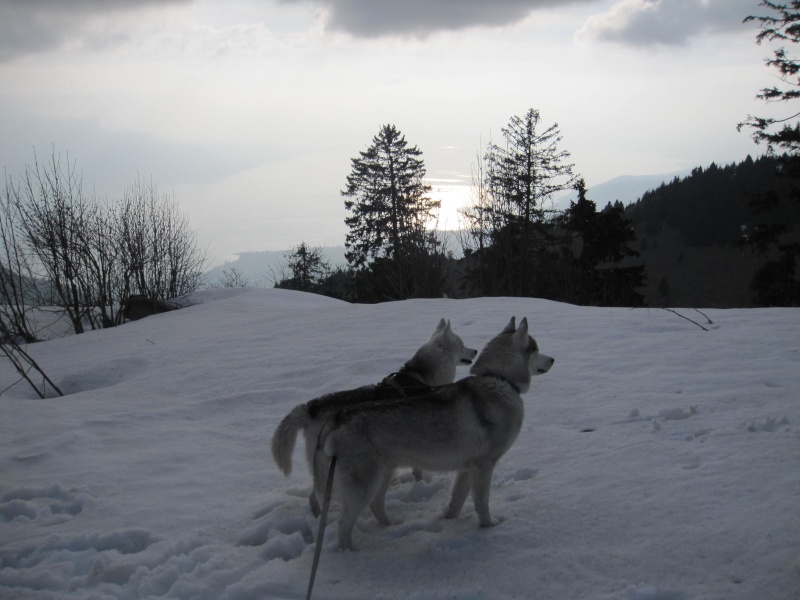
(389, 521)
(492, 522)
(345, 547)
(451, 513)
(384, 520)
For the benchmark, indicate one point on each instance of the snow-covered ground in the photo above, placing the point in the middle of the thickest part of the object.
(657, 461)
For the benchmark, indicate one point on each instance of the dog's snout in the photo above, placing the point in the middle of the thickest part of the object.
(543, 363)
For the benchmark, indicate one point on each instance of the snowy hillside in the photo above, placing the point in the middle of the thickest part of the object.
(657, 461)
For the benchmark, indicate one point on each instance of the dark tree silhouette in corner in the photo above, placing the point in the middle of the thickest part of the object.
(777, 283)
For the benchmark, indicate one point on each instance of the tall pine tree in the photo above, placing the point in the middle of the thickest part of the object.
(509, 224)
(600, 244)
(388, 244)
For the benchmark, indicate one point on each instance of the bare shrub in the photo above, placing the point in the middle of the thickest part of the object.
(85, 256)
(160, 257)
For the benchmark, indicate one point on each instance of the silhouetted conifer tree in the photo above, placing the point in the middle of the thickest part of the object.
(388, 246)
(778, 283)
(599, 243)
(307, 269)
(509, 230)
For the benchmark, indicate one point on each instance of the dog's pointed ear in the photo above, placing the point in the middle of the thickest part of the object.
(522, 331)
(442, 324)
(448, 330)
(510, 327)
(521, 334)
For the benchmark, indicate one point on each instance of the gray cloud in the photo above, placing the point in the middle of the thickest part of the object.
(32, 26)
(419, 18)
(666, 22)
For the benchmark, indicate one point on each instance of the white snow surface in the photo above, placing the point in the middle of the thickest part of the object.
(657, 461)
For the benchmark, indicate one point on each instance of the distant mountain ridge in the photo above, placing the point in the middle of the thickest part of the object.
(626, 188)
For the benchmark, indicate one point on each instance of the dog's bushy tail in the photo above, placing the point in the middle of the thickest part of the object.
(285, 436)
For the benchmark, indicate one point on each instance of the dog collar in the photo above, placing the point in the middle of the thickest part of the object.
(513, 385)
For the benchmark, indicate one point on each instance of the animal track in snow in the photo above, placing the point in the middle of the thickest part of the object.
(284, 530)
(770, 424)
(53, 503)
(668, 414)
(124, 541)
(402, 530)
(521, 474)
(87, 557)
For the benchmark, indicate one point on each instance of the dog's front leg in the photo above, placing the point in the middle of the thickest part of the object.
(481, 476)
(458, 495)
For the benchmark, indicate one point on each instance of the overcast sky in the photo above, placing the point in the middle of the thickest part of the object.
(249, 111)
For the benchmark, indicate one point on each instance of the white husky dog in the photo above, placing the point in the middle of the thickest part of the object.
(433, 364)
(465, 427)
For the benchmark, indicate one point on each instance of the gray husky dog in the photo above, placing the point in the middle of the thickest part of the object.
(464, 427)
(433, 364)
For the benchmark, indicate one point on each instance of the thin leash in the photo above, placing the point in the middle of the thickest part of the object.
(323, 517)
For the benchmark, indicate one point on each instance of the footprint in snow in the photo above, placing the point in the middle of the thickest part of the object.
(521, 474)
(667, 414)
(52, 504)
(769, 425)
(121, 542)
(283, 531)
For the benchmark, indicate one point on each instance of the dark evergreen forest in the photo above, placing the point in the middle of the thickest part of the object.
(696, 234)
(714, 206)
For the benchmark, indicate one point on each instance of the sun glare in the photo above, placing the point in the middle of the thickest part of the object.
(453, 196)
